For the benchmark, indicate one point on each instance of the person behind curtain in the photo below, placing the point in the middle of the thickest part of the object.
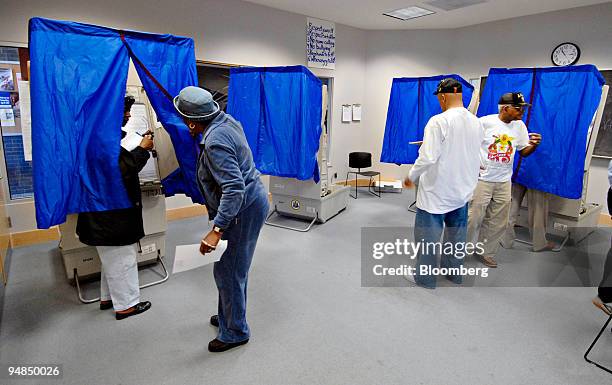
(505, 134)
(237, 204)
(537, 211)
(604, 291)
(447, 171)
(115, 233)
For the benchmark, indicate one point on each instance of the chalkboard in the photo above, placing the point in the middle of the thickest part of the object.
(603, 146)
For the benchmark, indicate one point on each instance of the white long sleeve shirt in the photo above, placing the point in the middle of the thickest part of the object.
(449, 161)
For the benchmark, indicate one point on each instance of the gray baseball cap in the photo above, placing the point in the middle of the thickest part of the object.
(195, 103)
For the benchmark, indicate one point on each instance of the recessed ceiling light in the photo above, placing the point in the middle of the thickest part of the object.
(409, 13)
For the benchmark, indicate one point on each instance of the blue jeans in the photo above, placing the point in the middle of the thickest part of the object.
(232, 270)
(428, 228)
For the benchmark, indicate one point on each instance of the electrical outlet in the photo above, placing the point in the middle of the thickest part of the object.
(560, 226)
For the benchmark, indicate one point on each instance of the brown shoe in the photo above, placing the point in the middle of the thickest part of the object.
(106, 305)
(140, 307)
(606, 308)
(488, 261)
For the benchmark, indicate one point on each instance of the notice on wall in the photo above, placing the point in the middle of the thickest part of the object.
(347, 113)
(7, 119)
(320, 43)
(356, 112)
(6, 80)
(26, 118)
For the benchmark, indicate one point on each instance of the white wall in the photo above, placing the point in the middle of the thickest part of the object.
(228, 31)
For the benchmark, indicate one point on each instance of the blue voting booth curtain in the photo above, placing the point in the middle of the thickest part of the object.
(174, 72)
(78, 81)
(280, 111)
(411, 105)
(564, 100)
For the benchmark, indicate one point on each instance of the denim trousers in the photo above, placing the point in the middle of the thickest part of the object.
(428, 228)
(232, 270)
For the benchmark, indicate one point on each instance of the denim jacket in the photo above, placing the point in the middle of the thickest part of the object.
(226, 173)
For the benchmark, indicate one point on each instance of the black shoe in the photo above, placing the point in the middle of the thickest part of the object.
(140, 307)
(216, 346)
(104, 305)
(214, 321)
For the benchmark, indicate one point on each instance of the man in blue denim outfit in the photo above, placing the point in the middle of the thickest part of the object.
(447, 170)
(237, 204)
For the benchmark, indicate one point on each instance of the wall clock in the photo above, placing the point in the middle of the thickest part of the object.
(565, 54)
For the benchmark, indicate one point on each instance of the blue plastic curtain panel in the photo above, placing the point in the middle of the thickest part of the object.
(280, 111)
(78, 82)
(411, 105)
(564, 100)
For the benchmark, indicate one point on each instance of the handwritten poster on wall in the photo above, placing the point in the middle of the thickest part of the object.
(320, 43)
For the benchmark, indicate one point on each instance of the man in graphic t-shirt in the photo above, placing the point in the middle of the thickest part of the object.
(505, 134)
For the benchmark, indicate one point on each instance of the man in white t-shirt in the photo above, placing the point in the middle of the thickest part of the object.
(505, 134)
(447, 171)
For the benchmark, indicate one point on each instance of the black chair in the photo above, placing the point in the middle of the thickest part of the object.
(361, 160)
(586, 355)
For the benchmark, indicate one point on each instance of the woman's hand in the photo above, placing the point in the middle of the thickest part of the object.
(209, 242)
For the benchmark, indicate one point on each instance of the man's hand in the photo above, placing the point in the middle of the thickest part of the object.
(408, 183)
(535, 139)
(147, 142)
(209, 242)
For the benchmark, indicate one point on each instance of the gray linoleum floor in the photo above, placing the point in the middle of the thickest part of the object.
(311, 321)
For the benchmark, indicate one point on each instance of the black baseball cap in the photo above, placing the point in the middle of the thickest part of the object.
(513, 99)
(449, 86)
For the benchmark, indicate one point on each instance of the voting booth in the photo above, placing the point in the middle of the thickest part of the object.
(567, 108)
(411, 104)
(82, 261)
(78, 84)
(283, 111)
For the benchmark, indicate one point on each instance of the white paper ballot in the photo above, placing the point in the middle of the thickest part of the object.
(131, 141)
(139, 121)
(188, 257)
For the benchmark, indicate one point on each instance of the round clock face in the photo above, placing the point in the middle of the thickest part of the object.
(565, 54)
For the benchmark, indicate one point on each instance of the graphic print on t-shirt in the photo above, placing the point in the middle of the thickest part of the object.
(501, 149)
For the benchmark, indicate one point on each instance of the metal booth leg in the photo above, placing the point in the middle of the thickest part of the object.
(92, 300)
(302, 230)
